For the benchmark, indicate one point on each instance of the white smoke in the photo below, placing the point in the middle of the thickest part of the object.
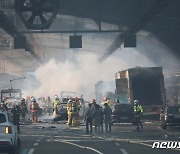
(80, 72)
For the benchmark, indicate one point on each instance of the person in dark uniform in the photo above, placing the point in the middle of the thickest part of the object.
(89, 119)
(107, 118)
(16, 111)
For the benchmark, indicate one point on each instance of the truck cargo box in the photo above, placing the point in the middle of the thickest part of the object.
(145, 84)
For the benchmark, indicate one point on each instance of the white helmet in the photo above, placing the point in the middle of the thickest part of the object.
(136, 101)
(70, 100)
(33, 99)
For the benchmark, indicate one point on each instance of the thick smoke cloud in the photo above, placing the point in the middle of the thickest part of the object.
(80, 72)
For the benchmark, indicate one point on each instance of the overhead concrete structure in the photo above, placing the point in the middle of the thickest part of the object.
(102, 24)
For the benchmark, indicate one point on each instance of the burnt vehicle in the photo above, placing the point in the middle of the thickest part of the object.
(11, 96)
(170, 116)
(62, 110)
(62, 106)
(123, 113)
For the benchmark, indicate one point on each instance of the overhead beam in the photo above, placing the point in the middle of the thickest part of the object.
(7, 25)
(147, 16)
(71, 31)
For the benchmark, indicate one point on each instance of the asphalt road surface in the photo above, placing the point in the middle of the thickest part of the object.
(54, 138)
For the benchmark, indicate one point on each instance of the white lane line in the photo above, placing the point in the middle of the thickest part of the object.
(31, 151)
(34, 135)
(80, 140)
(38, 140)
(36, 144)
(83, 147)
(117, 144)
(123, 151)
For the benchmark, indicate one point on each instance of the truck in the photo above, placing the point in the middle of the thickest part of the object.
(11, 96)
(145, 84)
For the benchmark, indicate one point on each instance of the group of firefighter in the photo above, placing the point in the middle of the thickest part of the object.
(74, 106)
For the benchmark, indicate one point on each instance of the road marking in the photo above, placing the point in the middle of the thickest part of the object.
(36, 144)
(123, 151)
(148, 122)
(83, 147)
(165, 131)
(35, 135)
(31, 151)
(82, 140)
(25, 151)
(38, 140)
(117, 144)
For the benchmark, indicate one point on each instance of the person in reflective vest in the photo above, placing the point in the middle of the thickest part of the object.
(55, 104)
(34, 108)
(69, 112)
(138, 112)
(23, 108)
(76, 109)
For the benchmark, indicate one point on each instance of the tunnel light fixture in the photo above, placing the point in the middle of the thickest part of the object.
(75, 41)
(19, 42)
(129, 40)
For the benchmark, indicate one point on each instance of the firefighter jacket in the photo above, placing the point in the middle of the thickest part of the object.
(76, 106)
(55, 103)
(34, 107)
(69, 107)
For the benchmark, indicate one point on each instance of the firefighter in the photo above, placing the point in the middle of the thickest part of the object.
(76, 109)
(138, 112)
(34, 108)
(23, 108)
(48, 105)
(3, 106)
(69, 112)
(16, 111)
(55, 104)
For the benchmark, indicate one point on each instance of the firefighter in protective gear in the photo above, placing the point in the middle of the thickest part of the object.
(23, 108)
(55, 103)
(69, 112)
(34, 108)
(48, 105)
(76, 106)
(138, 112)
